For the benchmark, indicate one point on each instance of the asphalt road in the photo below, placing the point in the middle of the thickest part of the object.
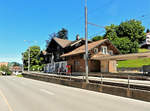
(21, 94)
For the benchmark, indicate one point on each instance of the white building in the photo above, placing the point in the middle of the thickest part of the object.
(146, 43)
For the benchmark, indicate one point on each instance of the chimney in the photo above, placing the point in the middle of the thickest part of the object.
(77, 37)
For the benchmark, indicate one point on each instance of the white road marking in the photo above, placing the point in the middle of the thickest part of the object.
(46, 91)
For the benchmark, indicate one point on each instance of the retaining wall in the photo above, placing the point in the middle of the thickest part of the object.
(118, 91)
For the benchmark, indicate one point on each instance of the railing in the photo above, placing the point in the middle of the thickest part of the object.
(104, 80)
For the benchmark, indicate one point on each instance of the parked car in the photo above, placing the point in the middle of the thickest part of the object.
(146, 69)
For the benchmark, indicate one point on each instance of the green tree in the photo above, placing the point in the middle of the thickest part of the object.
(96, 38)
(63, 34)
(148, 30)
(132, 29)
(127, 36)
(125, 45)
(35, 58)
(5, 69)
(111, 33)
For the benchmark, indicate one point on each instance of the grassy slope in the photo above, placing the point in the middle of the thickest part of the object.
(136, 62)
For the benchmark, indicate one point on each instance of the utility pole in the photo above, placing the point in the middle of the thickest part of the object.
(86, 42)
(22, 62)
(29, 60)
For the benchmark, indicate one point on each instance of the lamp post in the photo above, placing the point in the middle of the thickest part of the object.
(29, 53)
(22, 62)
(29, 60)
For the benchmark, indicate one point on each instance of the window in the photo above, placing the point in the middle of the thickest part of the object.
(104, 49)
(57, 56)
(110, 52)
(57, 47)
(95, 50)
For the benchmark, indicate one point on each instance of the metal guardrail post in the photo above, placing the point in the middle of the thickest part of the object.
(128, 82)
(70, 76)
(101, 79)
(101, 86)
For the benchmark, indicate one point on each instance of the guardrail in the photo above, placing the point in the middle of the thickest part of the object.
(124, 90)
(103, 79)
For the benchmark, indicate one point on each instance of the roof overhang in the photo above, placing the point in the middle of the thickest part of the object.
(124, 57)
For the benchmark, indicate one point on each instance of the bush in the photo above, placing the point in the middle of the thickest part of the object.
(6, 70)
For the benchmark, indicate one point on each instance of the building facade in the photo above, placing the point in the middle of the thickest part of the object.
(3, 64)
(146, 43)
(56, 48)
(99, 48)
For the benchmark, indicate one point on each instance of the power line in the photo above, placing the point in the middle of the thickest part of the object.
(89, 13)
(96, 25)
(96, 34)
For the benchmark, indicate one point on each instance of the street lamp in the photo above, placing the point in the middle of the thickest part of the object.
(22, 62)
(29, 53)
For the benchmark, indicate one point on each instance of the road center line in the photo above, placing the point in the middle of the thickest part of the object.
(48, 92)
(6, 101)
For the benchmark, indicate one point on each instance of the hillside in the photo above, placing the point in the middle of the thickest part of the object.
(136, 62)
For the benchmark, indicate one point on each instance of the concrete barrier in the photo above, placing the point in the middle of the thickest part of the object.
(114, 90)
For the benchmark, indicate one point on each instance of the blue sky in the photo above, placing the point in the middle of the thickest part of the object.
(33, 20)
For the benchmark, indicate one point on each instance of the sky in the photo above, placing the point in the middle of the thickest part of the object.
(33, 20)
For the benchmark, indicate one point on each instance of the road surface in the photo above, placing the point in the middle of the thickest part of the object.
(21, 94)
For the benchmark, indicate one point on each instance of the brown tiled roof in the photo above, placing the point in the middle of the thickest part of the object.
(81, 49)
(124, 56)
(3, 63)
(100, 54)
(62, 42)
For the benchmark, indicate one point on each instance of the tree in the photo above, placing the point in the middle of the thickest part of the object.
(127, 36)
(63, 34)
(50, 38)
(5, 69)
(125, 45)
(148, 30)
(96, 38)
(132, 29)
(35, 58)
(111, 33)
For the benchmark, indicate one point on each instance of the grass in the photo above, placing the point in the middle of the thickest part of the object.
(143, 50)
(20, 75)
(135, 62)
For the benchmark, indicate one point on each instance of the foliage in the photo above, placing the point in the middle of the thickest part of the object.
(37, 67)
(63, 34)
(20, 75)
(127, 36)
(148, 30)
(96, 38)
(111, 33)
(132, 29)
(5, 69)
(36, 57)
(50, 38)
